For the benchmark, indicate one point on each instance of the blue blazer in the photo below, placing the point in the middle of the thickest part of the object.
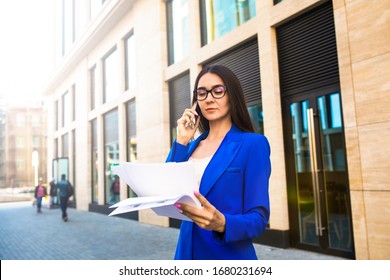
(236, 183)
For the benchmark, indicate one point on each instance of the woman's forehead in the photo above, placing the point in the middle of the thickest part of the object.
(209, 79)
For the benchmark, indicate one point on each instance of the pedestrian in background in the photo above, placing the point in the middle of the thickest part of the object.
(39, 194)
(53, 193)
(65, 190)
(115, 190)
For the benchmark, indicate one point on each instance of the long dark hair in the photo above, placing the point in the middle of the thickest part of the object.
(238, 110)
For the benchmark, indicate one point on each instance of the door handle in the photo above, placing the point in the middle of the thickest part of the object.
(314, 167)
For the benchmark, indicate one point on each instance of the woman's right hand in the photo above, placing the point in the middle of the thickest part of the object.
(186, 125)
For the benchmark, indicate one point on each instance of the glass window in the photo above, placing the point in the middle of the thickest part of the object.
(56, 115)
(178, 30)
(335, 110)
(20, 120)
(68, 25)
(35, 121)
(111, 155)
(131, 131)
(330, 107)
(94, 161)
(256, 115)
(55, 148)
(299, 125)
(20, 142)
(130, 62)
(131, 127)
(221, 16)
(66, 109)
(73, 103)
(92, 89)
(305, 107)
(95, 6)
(20, 164)
(332, 132)
(110, 76)
(36, 141)
(65, 145)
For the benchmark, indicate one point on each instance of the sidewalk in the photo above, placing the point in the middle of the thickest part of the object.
(27, 235)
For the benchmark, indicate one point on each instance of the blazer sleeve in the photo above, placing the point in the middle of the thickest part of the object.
(256, 210)
(178, 152)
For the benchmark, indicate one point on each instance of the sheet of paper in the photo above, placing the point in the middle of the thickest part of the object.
(138, 200)
(172, 212)
(156, 179)
(161, 205)
(158, 186)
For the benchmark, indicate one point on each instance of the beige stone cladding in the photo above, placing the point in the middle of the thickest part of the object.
(363, 42)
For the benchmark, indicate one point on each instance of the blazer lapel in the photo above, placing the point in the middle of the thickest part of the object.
(221, 159)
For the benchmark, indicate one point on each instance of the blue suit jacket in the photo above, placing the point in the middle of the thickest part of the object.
(236, 183)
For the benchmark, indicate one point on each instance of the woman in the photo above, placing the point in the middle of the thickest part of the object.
(233, 167)
(39, 194)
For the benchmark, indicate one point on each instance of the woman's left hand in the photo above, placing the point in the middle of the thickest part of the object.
(206, 217)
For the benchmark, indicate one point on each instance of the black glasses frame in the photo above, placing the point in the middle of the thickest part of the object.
(211, 92)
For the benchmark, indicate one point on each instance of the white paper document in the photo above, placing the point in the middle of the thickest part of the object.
(158, 186)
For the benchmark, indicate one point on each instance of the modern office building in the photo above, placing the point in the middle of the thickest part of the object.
(316, 83)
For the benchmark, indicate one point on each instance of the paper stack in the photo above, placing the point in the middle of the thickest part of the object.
(158, 186)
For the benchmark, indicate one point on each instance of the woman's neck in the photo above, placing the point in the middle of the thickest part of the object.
(209, 146)
(218, 130)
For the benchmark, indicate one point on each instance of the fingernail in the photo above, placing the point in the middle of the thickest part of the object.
(177, 205)
(196, 193)
(196, 113)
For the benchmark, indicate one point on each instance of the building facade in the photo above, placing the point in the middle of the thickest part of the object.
(3, 105)
(312, 74)
(23, 131)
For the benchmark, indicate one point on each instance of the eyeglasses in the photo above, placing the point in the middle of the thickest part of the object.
(217, 92)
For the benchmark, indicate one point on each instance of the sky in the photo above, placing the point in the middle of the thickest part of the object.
(26, 48)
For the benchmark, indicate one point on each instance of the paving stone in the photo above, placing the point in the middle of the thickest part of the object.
(28, 235)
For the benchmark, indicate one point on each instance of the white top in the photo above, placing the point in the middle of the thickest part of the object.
(200, 166)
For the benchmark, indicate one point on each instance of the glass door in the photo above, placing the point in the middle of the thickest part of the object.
(317, 176)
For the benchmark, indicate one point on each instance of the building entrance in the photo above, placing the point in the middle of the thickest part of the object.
(318, 188)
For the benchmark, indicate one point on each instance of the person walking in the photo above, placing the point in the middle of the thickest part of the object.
(65, 189)
(39, 194)
(53, 193)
